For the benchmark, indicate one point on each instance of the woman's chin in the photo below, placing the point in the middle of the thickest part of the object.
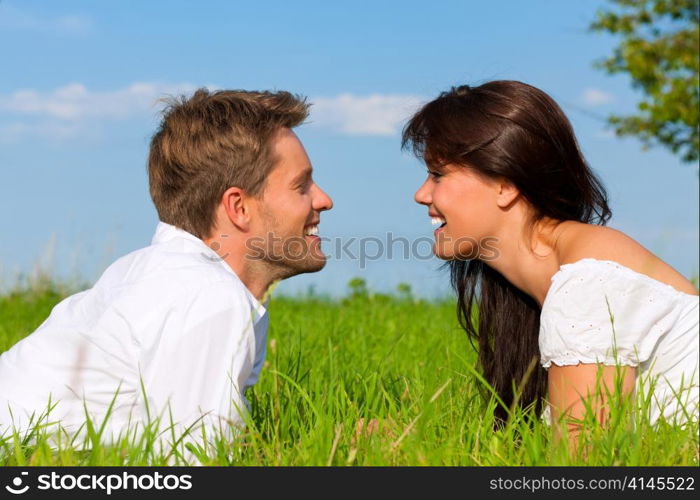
(442, 253)
(449, 252)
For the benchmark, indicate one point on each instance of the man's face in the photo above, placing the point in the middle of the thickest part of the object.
(289, 210)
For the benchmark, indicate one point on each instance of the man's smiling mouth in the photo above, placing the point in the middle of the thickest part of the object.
(311, 229)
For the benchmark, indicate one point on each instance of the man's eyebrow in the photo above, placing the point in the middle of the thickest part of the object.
(302, 177)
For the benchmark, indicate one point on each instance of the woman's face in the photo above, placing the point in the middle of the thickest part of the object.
(464, 206)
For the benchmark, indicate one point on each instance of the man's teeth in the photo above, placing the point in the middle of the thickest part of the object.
(437, 220)
(311, 231)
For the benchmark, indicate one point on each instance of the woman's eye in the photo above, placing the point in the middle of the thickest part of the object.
(434, 175)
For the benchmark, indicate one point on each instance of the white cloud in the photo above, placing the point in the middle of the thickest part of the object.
(12, 18)
(75, 101)
(56, 131)
(355, 115)
(74, 110)
(595, 97)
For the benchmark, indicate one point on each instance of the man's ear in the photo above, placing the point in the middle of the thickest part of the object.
(506, 193)
(237, 205)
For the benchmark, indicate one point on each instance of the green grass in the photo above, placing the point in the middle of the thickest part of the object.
(369, 379)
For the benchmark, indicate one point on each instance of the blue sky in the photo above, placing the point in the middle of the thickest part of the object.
(80, 80)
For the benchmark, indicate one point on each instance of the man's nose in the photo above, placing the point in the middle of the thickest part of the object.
(322, 201)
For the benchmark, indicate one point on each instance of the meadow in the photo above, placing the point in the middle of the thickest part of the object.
(365, 380)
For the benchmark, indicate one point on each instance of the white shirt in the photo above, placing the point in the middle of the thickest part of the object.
(598, 311)
(172, 315)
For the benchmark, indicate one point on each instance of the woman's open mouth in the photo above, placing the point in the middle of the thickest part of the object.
(438, 220)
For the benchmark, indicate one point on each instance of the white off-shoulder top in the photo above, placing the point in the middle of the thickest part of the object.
(598, 311)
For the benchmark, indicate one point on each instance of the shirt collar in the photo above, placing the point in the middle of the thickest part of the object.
(167, 232)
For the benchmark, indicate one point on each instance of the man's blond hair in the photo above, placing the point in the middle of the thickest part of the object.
(210, 142)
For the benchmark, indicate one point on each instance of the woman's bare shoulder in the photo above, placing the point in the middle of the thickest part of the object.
(579, 241)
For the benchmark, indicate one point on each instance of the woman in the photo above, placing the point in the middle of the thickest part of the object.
(523, 228)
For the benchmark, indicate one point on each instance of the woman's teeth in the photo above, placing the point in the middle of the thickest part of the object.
(311, 231)
(437, 221)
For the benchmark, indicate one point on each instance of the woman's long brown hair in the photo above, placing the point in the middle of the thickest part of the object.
(508, 130)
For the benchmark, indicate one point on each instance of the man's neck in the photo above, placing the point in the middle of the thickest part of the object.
(253, 273)
(256, 279)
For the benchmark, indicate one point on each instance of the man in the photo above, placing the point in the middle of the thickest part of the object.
(175, 332)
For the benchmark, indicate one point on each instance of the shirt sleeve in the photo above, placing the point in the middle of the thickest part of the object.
(603, 316)
(260, 350)
(198, 367)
